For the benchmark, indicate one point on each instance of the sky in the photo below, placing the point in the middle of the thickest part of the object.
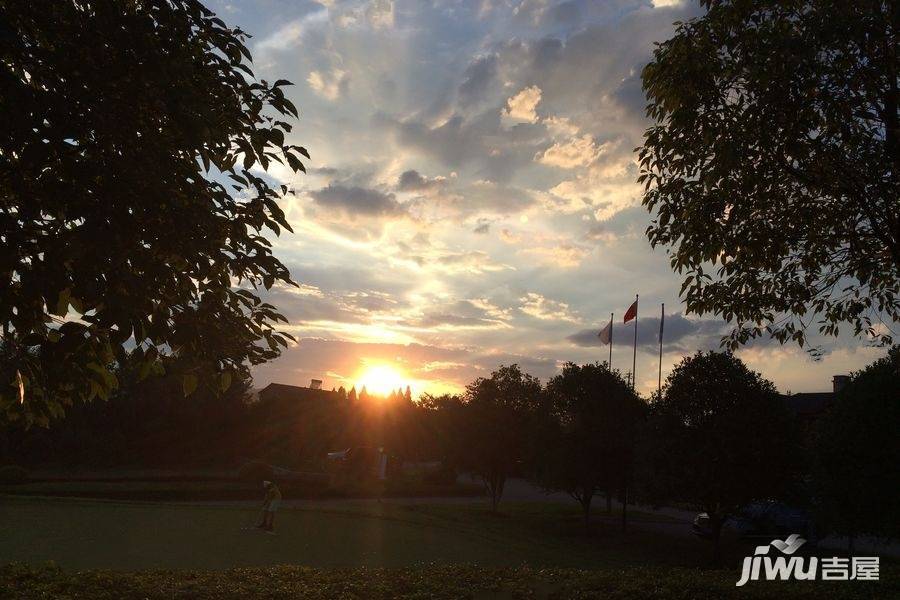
(471, 198)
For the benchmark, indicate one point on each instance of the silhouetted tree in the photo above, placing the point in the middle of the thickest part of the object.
(408, 394)
(857, 452)
(152, 125)
(586, 434)
(352, 395)
(773, 165)
(718, 438)
(494, 425)
(443, 422)
(147, 421)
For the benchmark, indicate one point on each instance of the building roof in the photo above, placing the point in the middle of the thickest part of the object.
(808, 403)
(294, 392)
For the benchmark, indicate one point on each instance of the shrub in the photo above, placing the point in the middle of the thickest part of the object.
(431, 581)
(256, 471)
(13, 474)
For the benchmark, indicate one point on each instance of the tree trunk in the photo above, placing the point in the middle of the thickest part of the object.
(496, 483)
(586, 507)
(624, 507)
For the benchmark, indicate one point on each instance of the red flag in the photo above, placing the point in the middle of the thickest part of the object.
(631, 312)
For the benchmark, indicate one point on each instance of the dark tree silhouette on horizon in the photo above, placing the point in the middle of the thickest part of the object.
(493, 425)
(718, 438)
(130, 212)
(773, 165)
(857, 450)
(585, 434)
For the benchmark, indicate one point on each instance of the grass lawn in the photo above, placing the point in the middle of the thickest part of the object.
(87, 534)
(447, 550)
(206, 490)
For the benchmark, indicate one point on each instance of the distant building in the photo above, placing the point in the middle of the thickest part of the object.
(807, 406)
(296, 425)
(280, 392)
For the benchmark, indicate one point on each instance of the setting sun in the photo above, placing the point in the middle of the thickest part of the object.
(381, 379)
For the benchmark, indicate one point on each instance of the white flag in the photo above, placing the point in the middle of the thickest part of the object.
(606, 335)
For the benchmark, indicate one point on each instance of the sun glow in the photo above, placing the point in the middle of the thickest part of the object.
(381, 379)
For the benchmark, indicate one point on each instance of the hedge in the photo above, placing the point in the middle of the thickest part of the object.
(430, 581)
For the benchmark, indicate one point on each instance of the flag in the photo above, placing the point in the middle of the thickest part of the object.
(606, 334)
(631, 312)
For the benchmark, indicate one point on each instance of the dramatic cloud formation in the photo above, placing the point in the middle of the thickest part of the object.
(521, 107)
(357, 201)
(471, 199)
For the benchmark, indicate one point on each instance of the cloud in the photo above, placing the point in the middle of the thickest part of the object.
(290, 34)
(477, 79)
(464, 314)
(521, 107)
(565, 255)
(483, 226)
(576, 152)
(413, 181)
(546, 309)
(680, 334)
(465, 156)
(357, 201)
(331, 85)
(470, 261)
(380, 13)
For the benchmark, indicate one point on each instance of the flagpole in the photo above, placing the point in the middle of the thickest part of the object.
(662, 319)
(634, 355)
(610, 340)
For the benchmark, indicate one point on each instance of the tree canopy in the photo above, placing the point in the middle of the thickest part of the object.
(133, 208)
(718, 437)
(773, 165)
(586, 433)
(493, 426)
(857, 453)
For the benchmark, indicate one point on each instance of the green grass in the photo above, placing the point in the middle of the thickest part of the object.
(20, 581)
(87, 534)
(214, 490)
(361, 550)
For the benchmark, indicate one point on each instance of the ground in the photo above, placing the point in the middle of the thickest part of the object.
(85, 534)
(412, 548)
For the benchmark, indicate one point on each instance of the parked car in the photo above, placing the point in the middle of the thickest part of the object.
(761, 522)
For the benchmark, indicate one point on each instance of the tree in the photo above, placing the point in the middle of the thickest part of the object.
(442, 423)
(773, 165)
(718, 437)
(494, 425)
(589, 419)
(130, 211)
(857, 451)
(147, 421)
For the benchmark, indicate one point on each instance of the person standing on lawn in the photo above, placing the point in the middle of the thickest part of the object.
(270, 505)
